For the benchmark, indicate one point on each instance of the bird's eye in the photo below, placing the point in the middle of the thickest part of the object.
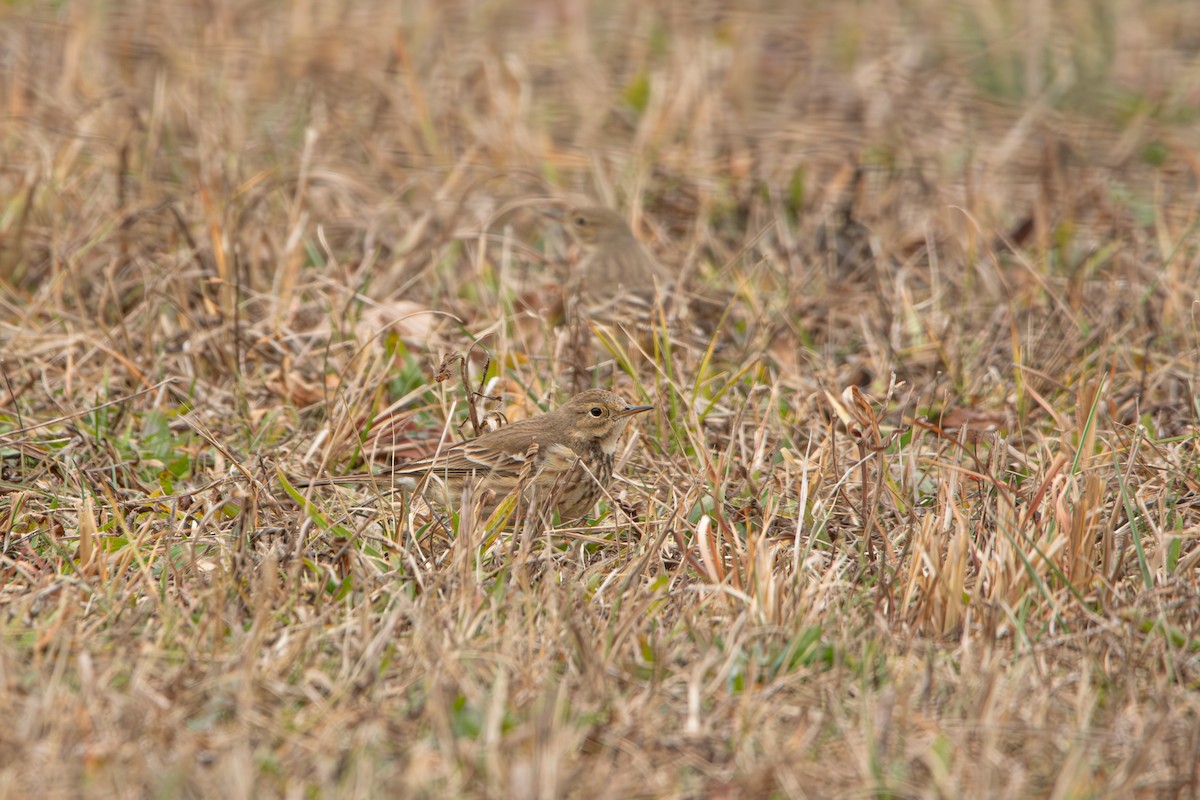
(581, 221)
(596, 411)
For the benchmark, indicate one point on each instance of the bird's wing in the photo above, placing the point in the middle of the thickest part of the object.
(500, 457)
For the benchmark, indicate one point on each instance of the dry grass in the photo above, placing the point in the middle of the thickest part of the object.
(922, 521)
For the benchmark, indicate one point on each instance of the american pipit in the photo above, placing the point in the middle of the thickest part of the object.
(617, 274)
(618, 282)
(562, 460)
(615, 265)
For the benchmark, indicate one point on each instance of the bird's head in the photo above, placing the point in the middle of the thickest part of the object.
(593, 226)
(598, 415)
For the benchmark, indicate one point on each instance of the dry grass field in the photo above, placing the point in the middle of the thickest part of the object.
(916, 513)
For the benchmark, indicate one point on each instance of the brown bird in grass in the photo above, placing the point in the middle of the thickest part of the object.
(619, 283)
(615, 267)
(617, 278)
(562, 460)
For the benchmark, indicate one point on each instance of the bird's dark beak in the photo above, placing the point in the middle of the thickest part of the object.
(629, 411)
(554, 213)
